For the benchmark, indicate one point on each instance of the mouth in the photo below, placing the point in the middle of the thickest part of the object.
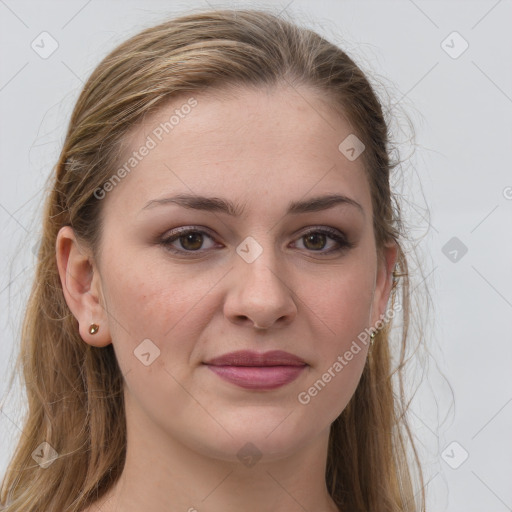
(261, 371)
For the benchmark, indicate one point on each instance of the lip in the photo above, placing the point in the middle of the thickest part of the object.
(254, 370)
(251, 358)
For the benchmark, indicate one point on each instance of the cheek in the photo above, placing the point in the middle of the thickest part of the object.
(147, 302)
(140, 290)
(341, 356)
(344, 305)
(343, 299)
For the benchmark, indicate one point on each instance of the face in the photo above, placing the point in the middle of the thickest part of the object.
(183, 282)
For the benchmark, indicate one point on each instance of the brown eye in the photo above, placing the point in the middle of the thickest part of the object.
(315, 241)
(192, 241)
(189, 240)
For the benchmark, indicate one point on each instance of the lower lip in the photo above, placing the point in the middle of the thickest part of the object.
(258, 377)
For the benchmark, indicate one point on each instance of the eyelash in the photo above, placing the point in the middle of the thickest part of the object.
(334, 234)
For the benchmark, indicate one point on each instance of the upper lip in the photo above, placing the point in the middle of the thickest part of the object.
(251, 358)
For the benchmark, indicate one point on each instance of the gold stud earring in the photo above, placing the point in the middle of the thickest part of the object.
(372, 337)
(94, 328)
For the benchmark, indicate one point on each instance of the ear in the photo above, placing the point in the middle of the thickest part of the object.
(384, 281)
(81, 284)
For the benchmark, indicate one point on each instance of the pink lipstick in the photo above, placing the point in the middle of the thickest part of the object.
(253, 370)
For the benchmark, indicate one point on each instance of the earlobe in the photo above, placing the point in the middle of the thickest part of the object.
(81, 285)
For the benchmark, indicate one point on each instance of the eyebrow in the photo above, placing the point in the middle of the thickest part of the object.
(216, 204)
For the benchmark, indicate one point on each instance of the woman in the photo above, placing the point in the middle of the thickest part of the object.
(209, 324)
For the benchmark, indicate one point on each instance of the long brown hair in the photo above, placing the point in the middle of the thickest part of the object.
(74, 390)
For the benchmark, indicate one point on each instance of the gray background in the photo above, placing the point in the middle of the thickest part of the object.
(456, 182)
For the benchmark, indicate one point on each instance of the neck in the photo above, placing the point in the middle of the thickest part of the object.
(162, 474)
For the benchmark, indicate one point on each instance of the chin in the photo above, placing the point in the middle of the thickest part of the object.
(271, 436)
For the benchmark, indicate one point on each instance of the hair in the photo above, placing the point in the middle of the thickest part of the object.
(75, 390)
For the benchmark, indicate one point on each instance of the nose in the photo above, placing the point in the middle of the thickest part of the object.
(259, 296)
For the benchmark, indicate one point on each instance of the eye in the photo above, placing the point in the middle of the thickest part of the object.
(191, 240)
(315, 240)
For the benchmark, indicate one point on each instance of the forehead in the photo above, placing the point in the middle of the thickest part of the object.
(256, 145)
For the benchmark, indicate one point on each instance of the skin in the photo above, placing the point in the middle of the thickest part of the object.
(263, 149)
